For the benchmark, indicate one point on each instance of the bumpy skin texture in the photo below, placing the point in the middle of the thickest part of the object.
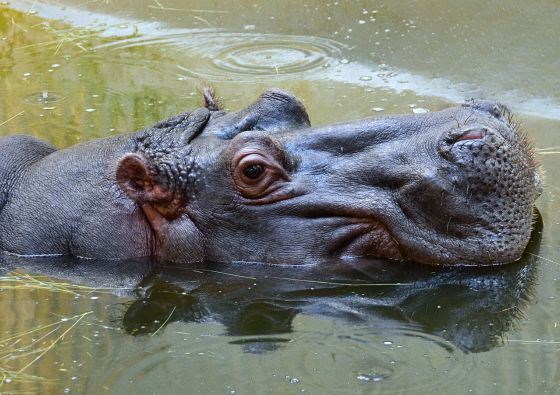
(451, 187)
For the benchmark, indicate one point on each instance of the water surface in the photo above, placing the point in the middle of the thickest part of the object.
(72, 71)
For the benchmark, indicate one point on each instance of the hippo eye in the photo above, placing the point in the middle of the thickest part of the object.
(253, 171)
(257, 174)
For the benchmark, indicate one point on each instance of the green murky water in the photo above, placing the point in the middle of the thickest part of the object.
(72, 71)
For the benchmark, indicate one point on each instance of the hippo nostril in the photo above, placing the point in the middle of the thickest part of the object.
(471, 133)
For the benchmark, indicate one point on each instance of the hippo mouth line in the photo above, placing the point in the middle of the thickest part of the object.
(369, 238)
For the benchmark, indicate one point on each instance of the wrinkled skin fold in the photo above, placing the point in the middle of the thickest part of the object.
(454, 187)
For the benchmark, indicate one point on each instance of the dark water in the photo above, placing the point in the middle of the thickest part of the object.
(72, 71)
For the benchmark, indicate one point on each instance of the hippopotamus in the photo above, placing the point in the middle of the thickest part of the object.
(452, 187)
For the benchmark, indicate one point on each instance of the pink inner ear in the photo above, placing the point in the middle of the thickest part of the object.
(476, 134)
(133, 176)
(136, 179)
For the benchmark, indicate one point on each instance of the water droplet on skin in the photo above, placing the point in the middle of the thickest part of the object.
(420, 110)
(378, 109)
(388, 343)
(94, 297)
(8, 381)
(365, 78)
(27, 74)
(55, 66)
(361, 22)
(294, 380)
(90, 109)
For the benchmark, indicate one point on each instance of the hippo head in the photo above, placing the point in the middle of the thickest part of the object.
(454, 187)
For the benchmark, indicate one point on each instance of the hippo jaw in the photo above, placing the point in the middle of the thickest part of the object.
(455, 187)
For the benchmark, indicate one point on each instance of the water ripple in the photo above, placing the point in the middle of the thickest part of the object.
(43, 97)
(386, 358)
(234, 56)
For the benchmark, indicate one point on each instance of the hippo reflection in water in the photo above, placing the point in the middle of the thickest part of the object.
(260, 185)
(471, 308)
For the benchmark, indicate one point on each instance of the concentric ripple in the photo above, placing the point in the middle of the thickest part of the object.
(383, 359)
(43, 97)
(271, 57)
(238, 56)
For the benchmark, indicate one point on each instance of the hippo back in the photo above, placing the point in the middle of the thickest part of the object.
(16, 154)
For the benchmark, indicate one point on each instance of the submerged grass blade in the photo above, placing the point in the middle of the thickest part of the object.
(56, 341)
(21, 377)
(13, 353)
(543, 342)
(165, 322)
(544, 258)
(9, 119)
(21, 334)
(24, 281)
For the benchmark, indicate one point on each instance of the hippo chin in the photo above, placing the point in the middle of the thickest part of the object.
(454, 187)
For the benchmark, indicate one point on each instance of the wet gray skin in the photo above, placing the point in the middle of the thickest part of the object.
(454, 187)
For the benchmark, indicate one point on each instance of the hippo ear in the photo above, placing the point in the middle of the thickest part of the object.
(275, 110)
(141, 183)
